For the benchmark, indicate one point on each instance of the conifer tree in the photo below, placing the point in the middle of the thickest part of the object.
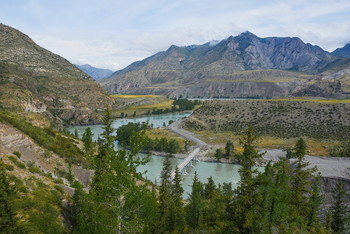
(195, 206)
(88, 142)
(116, 203)
(338, 208)
(178, 216)
(302, 177)
(165, 197)
(229, 149)
(246, 193)
(8, 193)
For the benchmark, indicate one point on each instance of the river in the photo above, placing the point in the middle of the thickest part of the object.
(219, 171)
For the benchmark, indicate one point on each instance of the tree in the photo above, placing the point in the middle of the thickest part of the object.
(177, 212)
(165, 198)
(300, 185)
(246, 195)
(229, 149)
(87, 140)
(218, 154)
(195, 206)
(8, 194)
(76, 133)
(116, 203)
(338, 208)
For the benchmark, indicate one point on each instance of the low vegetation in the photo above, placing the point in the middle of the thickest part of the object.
(48, 138)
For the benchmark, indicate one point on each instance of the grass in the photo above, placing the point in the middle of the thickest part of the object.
(315, 146)
(141, 104)
(133, 96)
(310, 100)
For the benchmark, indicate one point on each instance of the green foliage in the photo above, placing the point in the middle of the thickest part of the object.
(243, 213)
(8, 194)
(88, 142)
(24, 210)
(18, 154)
(47, 138)
(195, 205)
(218, 154)
(342, 150)
(125, 132)
(229, 149)
(17, 162)
(116, 203)
(338, 209)
(34, 169)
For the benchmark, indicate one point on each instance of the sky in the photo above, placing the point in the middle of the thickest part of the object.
(114, 33)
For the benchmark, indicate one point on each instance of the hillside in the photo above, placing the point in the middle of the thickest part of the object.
(34, 80)
(241, 66)
(94, 72)
(280, 118)
(343, 52)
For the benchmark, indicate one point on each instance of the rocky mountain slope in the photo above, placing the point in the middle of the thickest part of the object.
(240, 66)
(34, 80)
(343, 52)
(94, 72)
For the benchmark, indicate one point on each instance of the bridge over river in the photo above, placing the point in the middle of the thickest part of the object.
(186, 162)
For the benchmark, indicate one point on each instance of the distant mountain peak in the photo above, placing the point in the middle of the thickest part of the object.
(343, 52)
(94, 72)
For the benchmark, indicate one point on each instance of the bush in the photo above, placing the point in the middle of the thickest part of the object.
(34, 169)
(18, 154)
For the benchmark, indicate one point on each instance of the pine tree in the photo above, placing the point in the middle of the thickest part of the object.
(165, 198)
(314, 203)
(229, 149)
(8, 193)
(88, 142)
(302, 177)
(246, 193)
(76, 133)
(116, 203)
(338, 208)
(195, 206)
(177, 212)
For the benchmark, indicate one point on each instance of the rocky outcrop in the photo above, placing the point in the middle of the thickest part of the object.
(12, 140)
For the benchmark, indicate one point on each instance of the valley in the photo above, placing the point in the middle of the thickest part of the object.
(80, 156)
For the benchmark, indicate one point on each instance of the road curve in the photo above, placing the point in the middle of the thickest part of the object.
(176, 128)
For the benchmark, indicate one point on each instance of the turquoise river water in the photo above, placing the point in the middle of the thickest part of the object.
(219, 171)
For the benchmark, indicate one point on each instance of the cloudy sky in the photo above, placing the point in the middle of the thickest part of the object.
(114, 33)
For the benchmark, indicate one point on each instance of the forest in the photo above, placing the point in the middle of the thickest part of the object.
(284, 198)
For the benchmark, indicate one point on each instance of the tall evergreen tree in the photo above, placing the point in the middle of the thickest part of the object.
(87, 140)
(165, 197)
(338, 208)
(229, 149)
(177, 212)
(246, 194)
(116, 203)
(302, 177)
(195, 206)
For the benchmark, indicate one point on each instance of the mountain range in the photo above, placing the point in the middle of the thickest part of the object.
(35, 80)
(94, 72)
(240, 66)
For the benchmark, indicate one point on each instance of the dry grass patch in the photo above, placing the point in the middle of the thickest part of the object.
(315, 147)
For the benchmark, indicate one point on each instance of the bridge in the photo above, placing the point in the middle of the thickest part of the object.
(186, 162)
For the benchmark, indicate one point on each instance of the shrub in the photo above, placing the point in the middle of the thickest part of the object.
(18, 154)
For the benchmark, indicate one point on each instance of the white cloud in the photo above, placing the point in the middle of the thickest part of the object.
(112, 34)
